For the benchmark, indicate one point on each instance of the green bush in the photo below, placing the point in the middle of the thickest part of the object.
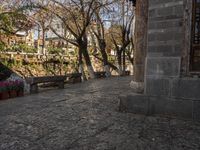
(22, 48)
(52, 50)
(2, 46)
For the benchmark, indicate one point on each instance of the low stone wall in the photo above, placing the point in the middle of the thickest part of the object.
(179, 97)
(178, 88)
(8, 74)
(14, 76)
(5, 72)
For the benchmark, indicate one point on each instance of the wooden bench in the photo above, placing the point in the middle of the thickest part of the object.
(100, 74)
(74, 77)
(127, 73)
(34, 81)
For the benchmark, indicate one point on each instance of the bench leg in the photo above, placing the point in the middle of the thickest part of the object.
(61, 85)
(77, 80)
(34, 88)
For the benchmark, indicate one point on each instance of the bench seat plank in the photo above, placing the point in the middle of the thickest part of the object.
(33, 81)
(59, 80)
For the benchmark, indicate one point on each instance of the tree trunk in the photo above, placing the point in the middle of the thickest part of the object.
(130, 58)
(141, 16)
(80, 64)
(38, 42)
(102, 45)
(119, 59)
(43, 42)
(109, 63)
(124, 61)
(84, 51)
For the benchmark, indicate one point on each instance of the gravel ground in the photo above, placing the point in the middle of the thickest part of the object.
(85, 117)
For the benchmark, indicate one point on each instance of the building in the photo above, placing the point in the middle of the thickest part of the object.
(172, 61)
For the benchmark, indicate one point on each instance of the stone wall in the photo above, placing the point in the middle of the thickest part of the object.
(165, 45)
(5, 72)
(167, 91)
(169, 30)
(165, 38)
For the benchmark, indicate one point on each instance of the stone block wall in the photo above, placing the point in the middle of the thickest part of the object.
(165, 28)
(5, 72)
(165, 45)
(166, 92)
(173, 97)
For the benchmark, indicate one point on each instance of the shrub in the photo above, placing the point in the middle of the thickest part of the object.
(22, 48)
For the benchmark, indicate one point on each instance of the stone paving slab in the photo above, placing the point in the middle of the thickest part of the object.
(85, 117)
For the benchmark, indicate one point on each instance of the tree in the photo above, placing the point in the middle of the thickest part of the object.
(75, 17)
(43, 19)
(121, 32)
(98, 29)
(13, 19)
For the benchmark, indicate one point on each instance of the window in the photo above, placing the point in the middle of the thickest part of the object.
(195, 40)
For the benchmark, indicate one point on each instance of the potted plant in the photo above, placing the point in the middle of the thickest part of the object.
(4, 94)
(12, 86)
(20, 89)
(16, 88)
(11, 89)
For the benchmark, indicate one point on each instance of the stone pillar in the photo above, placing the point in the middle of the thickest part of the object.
(165, 46)
(167, 90)
(187, 23)
(140, 41)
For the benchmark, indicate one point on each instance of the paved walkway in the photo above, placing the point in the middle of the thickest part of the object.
(85, 117)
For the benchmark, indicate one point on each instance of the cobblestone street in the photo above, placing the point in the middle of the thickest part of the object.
(85, 117)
